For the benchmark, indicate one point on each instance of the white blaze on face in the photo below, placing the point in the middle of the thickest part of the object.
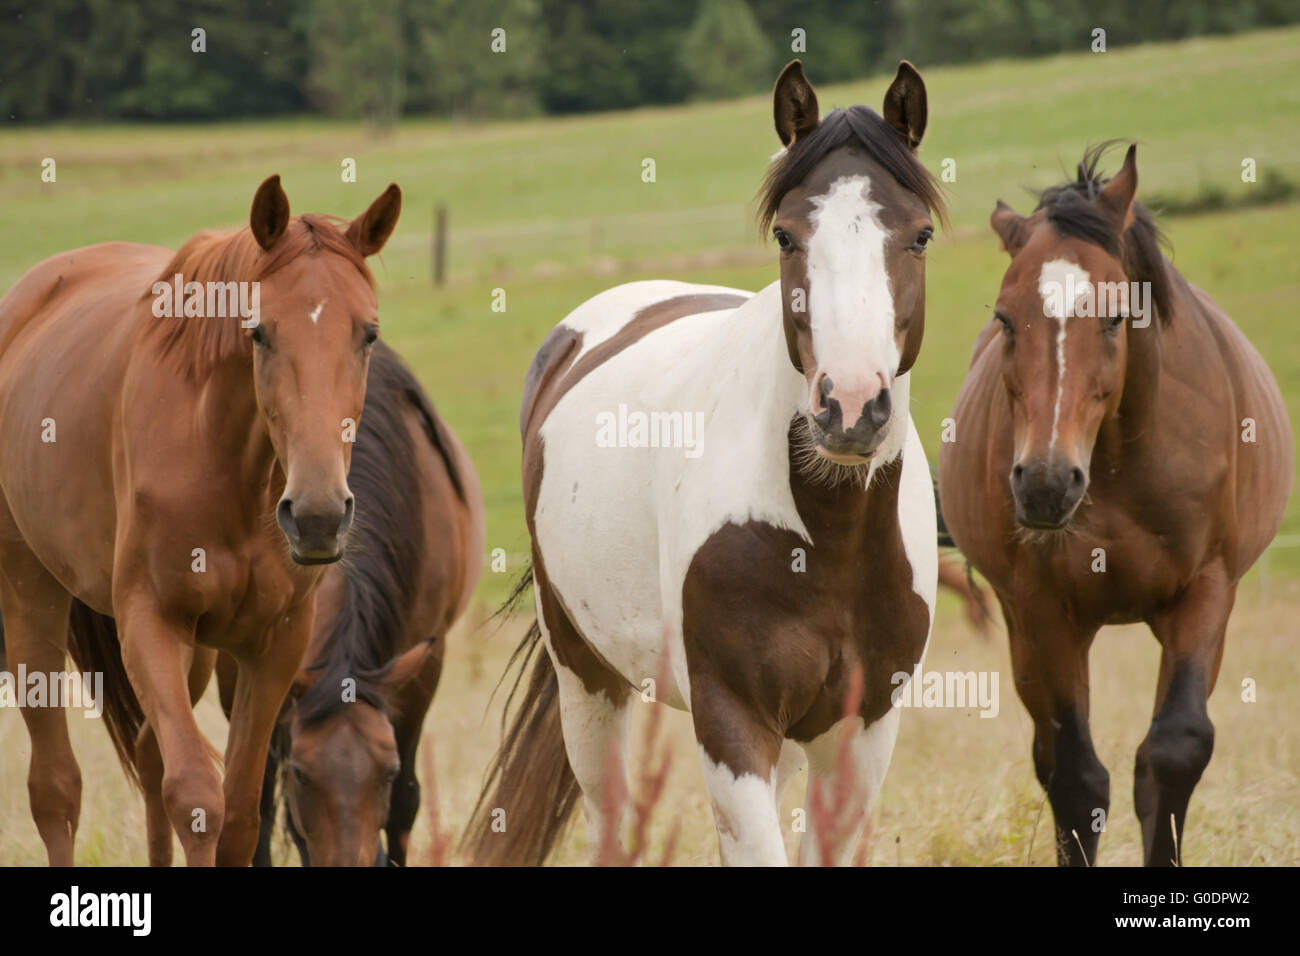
(315, 313)
(1061, 283)
(850, 302)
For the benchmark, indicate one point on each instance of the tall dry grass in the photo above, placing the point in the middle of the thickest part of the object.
(960, 791)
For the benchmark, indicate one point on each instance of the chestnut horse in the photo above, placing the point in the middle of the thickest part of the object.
(1109, 471)
(793, 546)
(348, 733)
(145, 463)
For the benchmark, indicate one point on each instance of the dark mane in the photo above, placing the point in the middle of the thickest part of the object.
(1072, 209)
(194, 346)
(853, 126)
(383, 552)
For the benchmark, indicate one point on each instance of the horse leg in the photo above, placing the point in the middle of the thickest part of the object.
(793, 758)
(740, 752)
(832, 836)
(594, 718)
(414, 700)
(1049, 658)
(406, 792)
(149, 766)
(36, 610)
(1177, 748)
(227, 676)
(260, 690)
(266, 810)
(596, 730)
(158, 654)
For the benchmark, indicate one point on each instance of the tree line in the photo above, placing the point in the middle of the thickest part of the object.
(380, 59)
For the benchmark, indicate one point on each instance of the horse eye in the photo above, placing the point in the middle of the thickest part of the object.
(783, 239)
(1007, 327)
(388, 776)
(300, 776)
(259, 336)
(1113, 323)
(371, 334)
(922, 239)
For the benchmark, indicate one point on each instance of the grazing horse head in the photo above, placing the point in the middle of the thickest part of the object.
(1065, 345)
(849, 205)
(344, 760)
(311, 348)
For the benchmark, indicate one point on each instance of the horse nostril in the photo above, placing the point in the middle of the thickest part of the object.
(825, 387)
(1076, 476)
(881, 407)
(1018, 472)
(284, 517)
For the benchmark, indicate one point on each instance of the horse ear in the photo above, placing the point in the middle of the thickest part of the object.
(370, 230)
(1117, 198)
(794, 104)
(1010, 227)
(905, 105)
(269, 216)
(407, 665)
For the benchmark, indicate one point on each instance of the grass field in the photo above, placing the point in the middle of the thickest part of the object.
(960, 792)
(553, 210)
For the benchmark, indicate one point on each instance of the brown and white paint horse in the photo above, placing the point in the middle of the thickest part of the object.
(808, 451)
(173, 435)
(1082, 437)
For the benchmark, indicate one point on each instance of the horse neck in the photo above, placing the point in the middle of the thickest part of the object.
(1148, 350)
(229, 418)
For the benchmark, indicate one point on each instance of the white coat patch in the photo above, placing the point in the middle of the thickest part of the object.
(1054, 281)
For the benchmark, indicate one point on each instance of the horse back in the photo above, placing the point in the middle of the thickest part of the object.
(604, 325)
(112, 275)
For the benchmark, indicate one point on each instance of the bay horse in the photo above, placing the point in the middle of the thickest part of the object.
(145, 463)
(793, 548)
(1109, 471)
(345, 746)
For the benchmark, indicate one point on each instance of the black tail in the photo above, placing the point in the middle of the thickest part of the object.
(93, 644)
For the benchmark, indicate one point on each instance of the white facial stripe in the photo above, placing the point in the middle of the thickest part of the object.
(1061, 283)
(850, 301)
(315, 313)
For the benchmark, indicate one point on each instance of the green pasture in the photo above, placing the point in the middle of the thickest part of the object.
(554, 210)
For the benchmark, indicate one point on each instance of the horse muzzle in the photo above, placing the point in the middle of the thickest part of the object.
(849, 438)
(1047, 494)
(315, 534)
